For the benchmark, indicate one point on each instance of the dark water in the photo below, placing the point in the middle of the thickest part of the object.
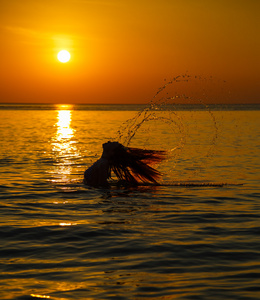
(63, 240)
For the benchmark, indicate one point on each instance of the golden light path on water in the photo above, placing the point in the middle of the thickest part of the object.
(64, 149)
(64, 130)
(63, 144)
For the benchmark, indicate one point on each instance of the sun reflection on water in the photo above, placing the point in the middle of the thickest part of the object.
(67, 224)
(64, 146)
(40, 296)
(64, 130)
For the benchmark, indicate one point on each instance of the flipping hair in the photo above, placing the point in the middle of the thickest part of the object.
(132, 165)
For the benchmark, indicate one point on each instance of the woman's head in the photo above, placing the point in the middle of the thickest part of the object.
(132, 164)
(109, 148)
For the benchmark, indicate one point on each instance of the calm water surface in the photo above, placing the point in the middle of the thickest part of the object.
(63, 240)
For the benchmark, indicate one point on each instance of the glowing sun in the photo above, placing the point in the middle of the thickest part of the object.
(63, 56)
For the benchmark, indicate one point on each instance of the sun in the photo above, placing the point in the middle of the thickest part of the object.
(63, 56)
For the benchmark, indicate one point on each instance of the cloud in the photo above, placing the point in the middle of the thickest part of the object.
(95, 2)
(27, 35)
(37, 37)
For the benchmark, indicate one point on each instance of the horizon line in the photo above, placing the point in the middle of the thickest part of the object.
(48, 103)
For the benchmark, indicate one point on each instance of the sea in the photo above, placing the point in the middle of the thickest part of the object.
(195, 235)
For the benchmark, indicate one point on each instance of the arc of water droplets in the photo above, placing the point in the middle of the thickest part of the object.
(165, 105)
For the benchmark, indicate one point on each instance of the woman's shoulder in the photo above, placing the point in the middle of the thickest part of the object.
(101, 161)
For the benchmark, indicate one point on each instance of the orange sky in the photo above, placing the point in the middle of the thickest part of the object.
(122, 50)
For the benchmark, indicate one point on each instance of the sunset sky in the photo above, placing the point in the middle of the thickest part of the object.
(122, 51)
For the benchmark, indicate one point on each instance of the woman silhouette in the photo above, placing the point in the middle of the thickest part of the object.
(130, 165)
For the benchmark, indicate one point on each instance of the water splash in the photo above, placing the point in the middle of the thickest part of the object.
(178, 107)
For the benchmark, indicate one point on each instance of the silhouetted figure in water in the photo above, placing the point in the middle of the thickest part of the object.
(130, 165)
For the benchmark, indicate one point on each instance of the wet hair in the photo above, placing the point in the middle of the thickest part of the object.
(132, 165)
